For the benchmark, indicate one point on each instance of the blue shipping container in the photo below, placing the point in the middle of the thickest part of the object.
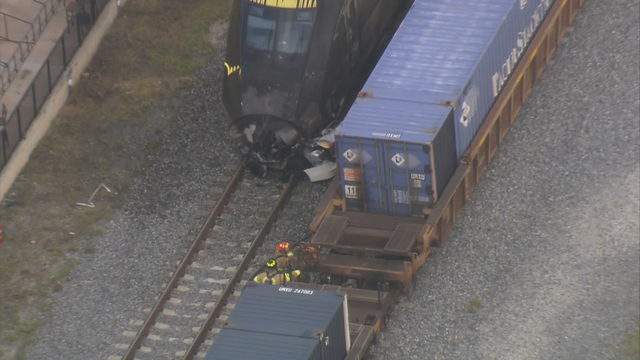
(454, 54)
(249, 345)
(285, 311)
(400, 177)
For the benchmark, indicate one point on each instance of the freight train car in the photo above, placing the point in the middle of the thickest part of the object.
(293, 67)
(427, 97)
(366, 256)
(285, 323)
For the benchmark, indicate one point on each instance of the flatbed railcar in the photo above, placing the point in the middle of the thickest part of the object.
(382, 253)
(374, 248)
(426, 98)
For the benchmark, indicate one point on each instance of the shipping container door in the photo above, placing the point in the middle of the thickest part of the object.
(362, 176)
(408, 177)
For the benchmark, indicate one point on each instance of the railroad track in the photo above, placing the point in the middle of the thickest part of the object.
(208, 280)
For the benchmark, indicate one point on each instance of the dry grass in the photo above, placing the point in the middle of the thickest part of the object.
(153, 49)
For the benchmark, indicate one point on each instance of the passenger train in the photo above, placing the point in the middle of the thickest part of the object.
(293, 68)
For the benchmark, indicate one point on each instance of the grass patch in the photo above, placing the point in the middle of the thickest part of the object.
(152, 50)
(631, 345)
(473, 306)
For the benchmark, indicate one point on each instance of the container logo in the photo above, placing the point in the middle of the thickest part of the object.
(351, 192)
(398, 159)
(501, 76)
(350, 155)
(351, 174)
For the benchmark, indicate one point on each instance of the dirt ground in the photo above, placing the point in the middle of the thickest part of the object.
(104, 135)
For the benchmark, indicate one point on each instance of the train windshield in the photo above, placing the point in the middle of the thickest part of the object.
(284, 31)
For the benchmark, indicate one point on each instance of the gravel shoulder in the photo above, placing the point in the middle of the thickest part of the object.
(544, 263)
(146, 120)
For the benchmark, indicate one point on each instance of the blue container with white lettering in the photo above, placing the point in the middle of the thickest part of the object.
(454, 55)
(285, 323)
(397, 169)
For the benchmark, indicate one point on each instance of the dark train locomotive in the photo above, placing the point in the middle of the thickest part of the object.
(293, 67)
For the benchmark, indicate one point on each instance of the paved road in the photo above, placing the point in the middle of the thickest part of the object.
(544, 264)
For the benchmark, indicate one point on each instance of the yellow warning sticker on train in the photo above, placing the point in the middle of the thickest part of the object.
(287, 4)
(232, 69)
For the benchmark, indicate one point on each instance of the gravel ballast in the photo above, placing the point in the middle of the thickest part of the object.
(543, 264)
(141, 243)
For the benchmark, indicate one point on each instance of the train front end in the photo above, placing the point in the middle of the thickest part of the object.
(265, 66)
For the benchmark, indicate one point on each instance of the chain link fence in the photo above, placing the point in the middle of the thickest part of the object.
(81, 15)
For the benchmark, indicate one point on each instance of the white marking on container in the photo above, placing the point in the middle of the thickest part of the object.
(188, 341)
(216, 268)
(180, 353)
(195, 329)
(145, 349)
(231, 269)
(351, 191)
(350, 155)
(398, 159)
(129, 333)
(154, 337)
(122, 346)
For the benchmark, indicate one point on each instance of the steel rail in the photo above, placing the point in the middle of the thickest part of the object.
(237, 277)
(185, 262)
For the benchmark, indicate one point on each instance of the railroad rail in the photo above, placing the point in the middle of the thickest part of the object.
(195, 265)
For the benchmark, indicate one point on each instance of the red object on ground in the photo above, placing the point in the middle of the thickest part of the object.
(283, 247)
(1, 235)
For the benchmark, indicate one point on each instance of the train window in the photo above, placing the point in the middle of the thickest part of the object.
(260, 29)
(294, 33)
